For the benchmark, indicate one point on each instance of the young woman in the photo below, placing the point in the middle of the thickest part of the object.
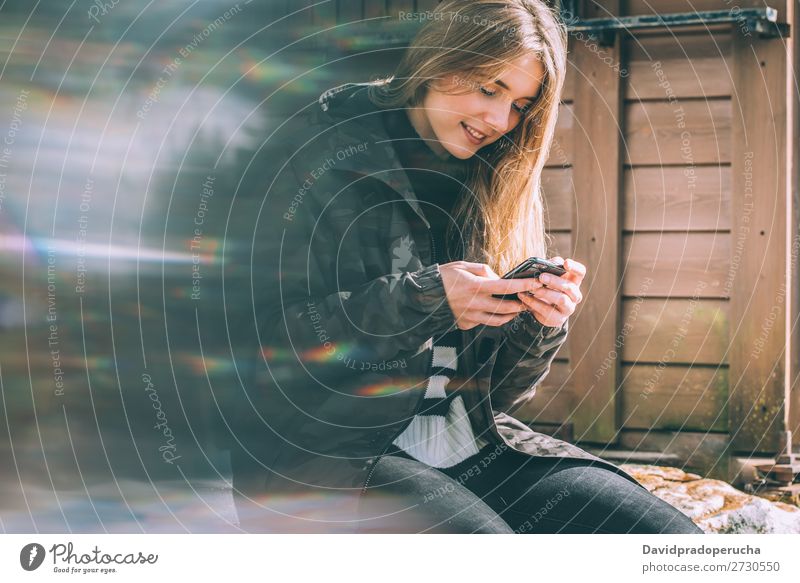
(391, 369)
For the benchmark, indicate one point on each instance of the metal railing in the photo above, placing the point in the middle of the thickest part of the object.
(762, 21)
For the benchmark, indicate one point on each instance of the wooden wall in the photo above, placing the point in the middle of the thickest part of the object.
(685, 331)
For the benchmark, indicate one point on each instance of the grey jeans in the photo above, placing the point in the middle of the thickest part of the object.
(510, 493)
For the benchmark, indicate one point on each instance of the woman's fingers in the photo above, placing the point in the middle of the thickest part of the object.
(545, 313)
(576, 271)
(497, 306)
(472, 289)
(559, 284)
(480, 269)
(486, 318)
(560, 301)
(509, 286)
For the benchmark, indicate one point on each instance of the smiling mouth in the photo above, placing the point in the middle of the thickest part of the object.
(476, 136)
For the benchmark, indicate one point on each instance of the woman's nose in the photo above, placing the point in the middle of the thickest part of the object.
(499, 116)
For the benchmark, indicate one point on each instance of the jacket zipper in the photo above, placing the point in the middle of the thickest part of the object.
(405, 426)
(372, 470)
(388, 445)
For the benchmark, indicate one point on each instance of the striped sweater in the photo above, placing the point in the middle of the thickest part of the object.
(440, 434)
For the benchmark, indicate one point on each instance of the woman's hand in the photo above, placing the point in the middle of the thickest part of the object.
(469, 288)
(554, 299)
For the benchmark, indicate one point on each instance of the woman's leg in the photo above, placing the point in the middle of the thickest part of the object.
(550, 495)
(407, 496)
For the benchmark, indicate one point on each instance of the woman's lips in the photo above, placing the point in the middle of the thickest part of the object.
(470, 136)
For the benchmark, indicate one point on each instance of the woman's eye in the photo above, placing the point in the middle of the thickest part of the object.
(486, 91)
(522, 109)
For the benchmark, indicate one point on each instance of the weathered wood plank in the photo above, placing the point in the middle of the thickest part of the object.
(674, 331)
(683, 47)
(568, 92)
(686, 133)
(683, 79)
(561, 152)
(705, 453)
(794, 218)
(680, 398)
(598, 184)
(558, 194)
(677, 264)
(561, 245)
(682, 65)
(759, 169)
(675, 198)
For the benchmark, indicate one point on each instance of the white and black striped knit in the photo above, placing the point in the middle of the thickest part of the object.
(440, 434)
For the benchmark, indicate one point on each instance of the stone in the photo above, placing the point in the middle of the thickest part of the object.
(716, 506)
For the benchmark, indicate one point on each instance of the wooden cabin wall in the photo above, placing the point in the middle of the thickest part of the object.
(703, 232)
(653, 357)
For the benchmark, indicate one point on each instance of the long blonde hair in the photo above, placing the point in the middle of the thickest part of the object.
(504, 215)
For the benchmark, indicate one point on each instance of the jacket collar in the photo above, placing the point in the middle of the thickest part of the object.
(363, 145)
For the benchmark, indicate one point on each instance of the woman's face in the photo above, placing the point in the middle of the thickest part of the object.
(462, 124)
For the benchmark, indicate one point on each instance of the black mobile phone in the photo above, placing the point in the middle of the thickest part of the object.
(531, 267)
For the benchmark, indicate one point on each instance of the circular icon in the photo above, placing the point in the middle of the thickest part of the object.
(31, 556)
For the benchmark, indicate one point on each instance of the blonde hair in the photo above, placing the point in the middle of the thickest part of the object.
(504, 217)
